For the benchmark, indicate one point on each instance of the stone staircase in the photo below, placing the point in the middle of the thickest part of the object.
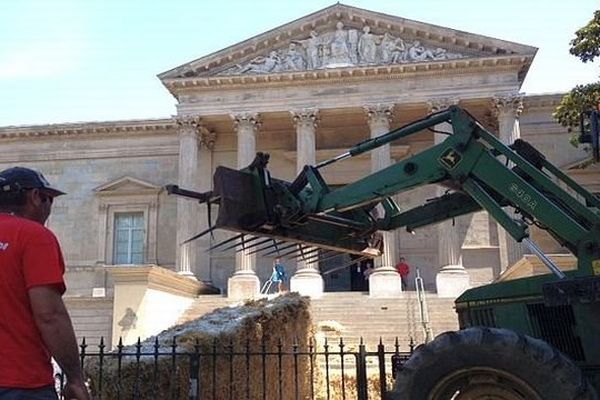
(355, 315)
(372, 319)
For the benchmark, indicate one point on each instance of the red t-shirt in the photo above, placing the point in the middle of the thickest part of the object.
(29, 256)
(402, 268)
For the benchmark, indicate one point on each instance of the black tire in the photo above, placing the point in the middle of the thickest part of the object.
(487, 363)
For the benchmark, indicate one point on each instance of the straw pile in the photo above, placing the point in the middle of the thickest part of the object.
(225, 370)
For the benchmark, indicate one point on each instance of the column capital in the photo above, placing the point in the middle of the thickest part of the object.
(305, 117)
(187, 121)
(251, 119)
(207, 137)
(435, 105)
(490, 121)
(193, 125)
(511, 104)
(379, 112)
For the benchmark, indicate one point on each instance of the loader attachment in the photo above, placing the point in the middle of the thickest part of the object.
(253, 203)
(250, 202)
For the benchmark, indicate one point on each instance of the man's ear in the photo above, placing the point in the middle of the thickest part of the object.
(33, 197)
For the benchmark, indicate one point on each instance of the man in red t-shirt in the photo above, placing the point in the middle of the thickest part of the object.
(35, 324)
(403, 269)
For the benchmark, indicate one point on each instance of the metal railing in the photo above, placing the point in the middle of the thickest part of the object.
(228, 371)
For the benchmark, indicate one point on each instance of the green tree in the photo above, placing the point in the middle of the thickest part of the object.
(581, 98)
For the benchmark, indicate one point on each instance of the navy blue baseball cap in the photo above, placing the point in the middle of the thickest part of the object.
(17, 179)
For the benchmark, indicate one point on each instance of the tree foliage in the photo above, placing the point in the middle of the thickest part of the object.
(586, 44)
(582, 98)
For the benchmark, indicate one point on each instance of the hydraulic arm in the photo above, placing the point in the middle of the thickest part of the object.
(515, 184)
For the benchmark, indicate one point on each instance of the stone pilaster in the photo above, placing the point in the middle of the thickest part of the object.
(452, 278)
(188, 212)
(507, 110)
(384, 281)
(244, 283)
(307, 280)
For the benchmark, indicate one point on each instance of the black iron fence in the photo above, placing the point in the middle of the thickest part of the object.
(317, 370)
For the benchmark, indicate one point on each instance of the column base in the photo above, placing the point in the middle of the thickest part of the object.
(243, 285)
(385, 282)
(307, 282)
(188, 274)
(452, 281)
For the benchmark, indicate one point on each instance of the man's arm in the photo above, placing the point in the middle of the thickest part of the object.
(54, 324)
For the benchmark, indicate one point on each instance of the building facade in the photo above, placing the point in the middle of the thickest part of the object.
(302, 92)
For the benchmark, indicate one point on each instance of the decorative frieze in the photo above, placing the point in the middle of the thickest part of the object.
(342, 47)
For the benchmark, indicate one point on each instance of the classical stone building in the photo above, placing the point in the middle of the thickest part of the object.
(303, 92)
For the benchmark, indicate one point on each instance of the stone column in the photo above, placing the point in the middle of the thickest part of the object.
(307, 280)
(507, 110)
(385, 280)
(452, 278)
(244, 284)
(206, 146)
(188, 211)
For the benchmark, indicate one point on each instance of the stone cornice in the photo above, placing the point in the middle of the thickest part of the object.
(317, 77)
(112, 128)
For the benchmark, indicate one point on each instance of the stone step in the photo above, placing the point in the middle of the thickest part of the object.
(360, 316)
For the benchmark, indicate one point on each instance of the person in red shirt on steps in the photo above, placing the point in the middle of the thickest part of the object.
(34, 323)
(403, 269)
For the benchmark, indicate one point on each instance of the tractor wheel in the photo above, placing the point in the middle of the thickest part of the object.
(490, 364)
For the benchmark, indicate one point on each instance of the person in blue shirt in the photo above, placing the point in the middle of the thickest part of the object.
(278, 275)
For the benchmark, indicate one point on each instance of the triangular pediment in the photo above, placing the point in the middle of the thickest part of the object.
(127, 185)
(342, 36)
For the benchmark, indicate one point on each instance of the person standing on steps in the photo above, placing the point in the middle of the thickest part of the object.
(35, 325)
(403, 269)
(278, 275)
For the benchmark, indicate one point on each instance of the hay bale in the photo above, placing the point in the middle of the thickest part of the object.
(222, 340)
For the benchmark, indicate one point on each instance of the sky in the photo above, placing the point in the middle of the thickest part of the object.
(97, 60)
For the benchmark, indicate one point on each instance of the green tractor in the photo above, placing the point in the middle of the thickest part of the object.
(531, 338)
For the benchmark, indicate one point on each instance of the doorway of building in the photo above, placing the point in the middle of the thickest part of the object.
(349, 278)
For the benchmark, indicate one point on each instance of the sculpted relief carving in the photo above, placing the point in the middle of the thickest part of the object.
(341, 48)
